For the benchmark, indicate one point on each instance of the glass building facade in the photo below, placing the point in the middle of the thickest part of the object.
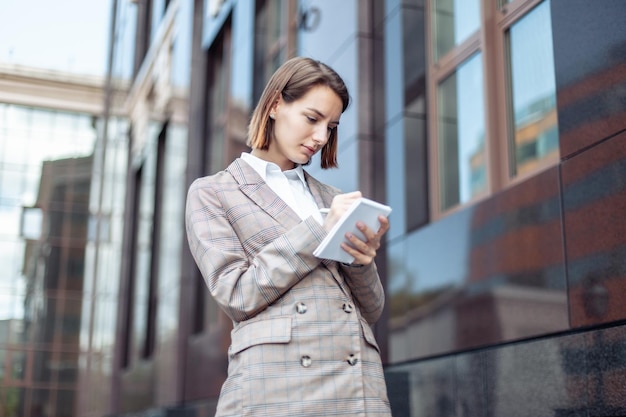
(495, 130)
(46, 163)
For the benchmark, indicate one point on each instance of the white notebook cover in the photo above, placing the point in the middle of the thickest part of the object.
(363, 209)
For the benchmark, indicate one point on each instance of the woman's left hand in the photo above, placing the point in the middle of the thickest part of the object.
(364, 252)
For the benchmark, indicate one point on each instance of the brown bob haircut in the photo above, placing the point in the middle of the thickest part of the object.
(292, 81)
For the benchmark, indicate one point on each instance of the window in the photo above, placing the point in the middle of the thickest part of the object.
(492, 100)
(534, 137)
(144, 29)
(273, 42)
(461, 138)
(453, 22)
(218, 82)
(132, 225)
(155, 249)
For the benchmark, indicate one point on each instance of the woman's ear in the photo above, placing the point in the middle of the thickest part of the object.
(275, 107)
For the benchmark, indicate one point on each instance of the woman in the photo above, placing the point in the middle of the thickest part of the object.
(301, 342)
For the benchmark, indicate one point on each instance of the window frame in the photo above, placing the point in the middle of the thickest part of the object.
(491, 41)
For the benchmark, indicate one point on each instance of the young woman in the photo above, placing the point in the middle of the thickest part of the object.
(301, 341)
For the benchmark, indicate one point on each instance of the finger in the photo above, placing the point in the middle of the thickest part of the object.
(384, 225)
(372, 239)
(353, 195)
(368, 248)
(359, 257)
(347, 197)
(342, 202)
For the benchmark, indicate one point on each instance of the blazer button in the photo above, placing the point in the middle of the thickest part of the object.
(306, 361)
(348, 308)
(352, 360)
(301, 308)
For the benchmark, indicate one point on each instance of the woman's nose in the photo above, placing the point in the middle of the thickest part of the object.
(320, 134)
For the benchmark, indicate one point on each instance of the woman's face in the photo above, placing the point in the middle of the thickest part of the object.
(303, 127)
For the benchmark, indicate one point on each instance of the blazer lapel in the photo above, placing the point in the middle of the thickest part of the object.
(252, 185)
(322, 193)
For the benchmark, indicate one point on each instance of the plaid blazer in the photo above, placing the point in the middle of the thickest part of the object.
(301, 340)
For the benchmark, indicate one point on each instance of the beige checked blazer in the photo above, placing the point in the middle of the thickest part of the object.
(301, 341)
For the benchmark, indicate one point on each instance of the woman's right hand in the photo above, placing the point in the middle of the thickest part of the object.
(339, 206)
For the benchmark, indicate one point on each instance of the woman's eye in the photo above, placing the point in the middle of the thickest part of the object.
(311, 119)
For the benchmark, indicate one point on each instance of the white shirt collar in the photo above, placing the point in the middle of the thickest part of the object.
(289, 185)
(263, 168)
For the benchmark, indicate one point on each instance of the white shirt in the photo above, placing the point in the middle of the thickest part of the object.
(290, 186)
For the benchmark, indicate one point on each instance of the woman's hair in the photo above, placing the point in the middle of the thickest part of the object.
(292, 81)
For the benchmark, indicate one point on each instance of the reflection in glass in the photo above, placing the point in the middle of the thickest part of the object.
(31, 223)
(415, 147)
(70, 321)
(453, 22)
(270, 42)
(218, 109)
(535, 135)
(43, 369)
(68, 368)
(10, 401)
(65, 400)
(18, 365)
(45, 174)
(461, 124)
(11, 259)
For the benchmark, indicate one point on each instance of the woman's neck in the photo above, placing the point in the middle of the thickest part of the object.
(283, 163)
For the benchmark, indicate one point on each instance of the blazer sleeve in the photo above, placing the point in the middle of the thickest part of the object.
(244, 287)
(367, 290)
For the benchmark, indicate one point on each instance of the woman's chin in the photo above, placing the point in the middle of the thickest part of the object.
(302, 160)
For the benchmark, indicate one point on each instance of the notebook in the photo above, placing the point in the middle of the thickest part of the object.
(363, 209)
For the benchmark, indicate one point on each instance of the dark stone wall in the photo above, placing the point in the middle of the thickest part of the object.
(549, 339)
